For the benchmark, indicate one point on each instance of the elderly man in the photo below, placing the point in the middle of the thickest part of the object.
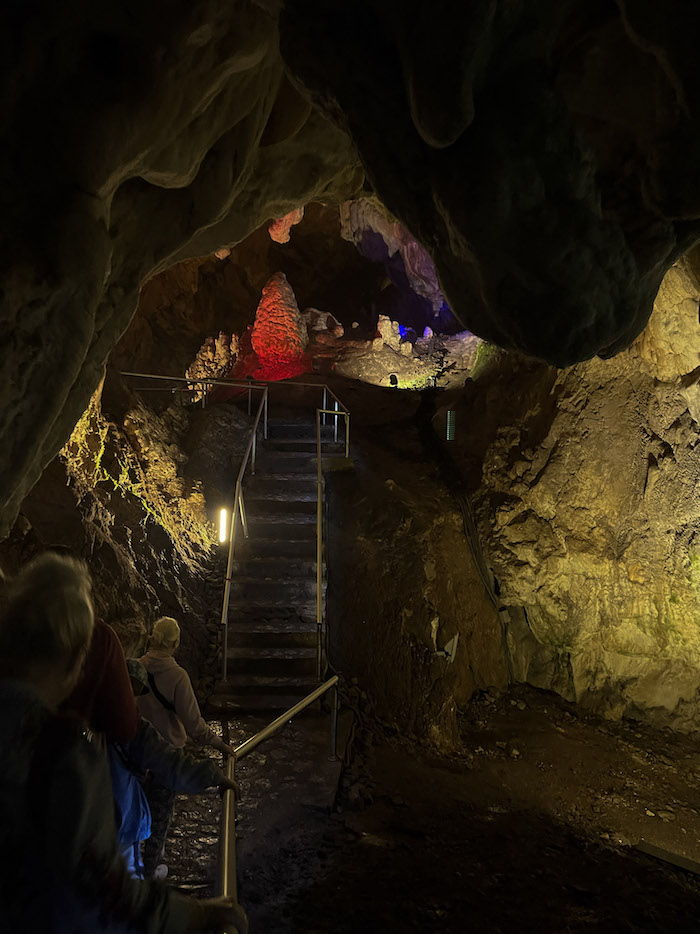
(61, 868)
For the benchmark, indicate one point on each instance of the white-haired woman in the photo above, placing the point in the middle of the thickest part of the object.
(172, 708)
(63, 871)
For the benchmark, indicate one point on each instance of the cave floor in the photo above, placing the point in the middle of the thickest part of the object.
(532, 826)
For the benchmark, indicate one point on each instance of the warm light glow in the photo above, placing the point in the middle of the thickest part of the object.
(223, 525)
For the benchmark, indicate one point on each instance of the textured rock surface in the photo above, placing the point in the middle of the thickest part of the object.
(279, 332)
(280, 228)
(541, 157)
(214, 359)
(362, 217)
(402, 581)
(165, 133)
(589, 510)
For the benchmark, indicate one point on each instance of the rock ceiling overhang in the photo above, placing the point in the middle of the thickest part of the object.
(542, 151)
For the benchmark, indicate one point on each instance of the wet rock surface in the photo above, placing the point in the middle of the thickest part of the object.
(486, 839)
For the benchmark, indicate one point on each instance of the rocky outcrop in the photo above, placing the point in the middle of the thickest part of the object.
(542, 158)
(589, 509)
(214, 359)
(279, 332)
(545, 161)
(362, 218)
(138, 141)
(403, 585)
(280, 228)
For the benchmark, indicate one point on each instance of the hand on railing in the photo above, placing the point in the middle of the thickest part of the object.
(217, 914)
(230, 784)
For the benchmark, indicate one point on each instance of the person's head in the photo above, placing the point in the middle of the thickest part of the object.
(47, 624)
(166, 635)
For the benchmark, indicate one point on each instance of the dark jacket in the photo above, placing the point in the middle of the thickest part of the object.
(60, 869)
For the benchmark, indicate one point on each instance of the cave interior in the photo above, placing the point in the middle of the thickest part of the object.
(456, 248)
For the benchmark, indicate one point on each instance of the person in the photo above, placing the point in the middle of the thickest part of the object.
(62, 871)
(103, 695)
(172, 708)
(149, 757)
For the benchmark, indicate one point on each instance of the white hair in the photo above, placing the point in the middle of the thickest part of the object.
(48, 617)
(166, 633)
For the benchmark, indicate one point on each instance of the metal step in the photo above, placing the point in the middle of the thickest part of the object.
(235, 704)
(270, 610)
(265, 488)
(263, 567)
(292, 527)
(271, 633)
(282, 505)
(296, 428)
(298, 462)
(265, 684)
(287, 445)
(283, 661)
(272, 546)
(286, 592)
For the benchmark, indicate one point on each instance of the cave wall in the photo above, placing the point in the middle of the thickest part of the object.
(588, 508)
(402, 581)
(195, 299)
(138, 137)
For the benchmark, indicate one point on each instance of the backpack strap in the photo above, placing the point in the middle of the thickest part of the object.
(156, 693)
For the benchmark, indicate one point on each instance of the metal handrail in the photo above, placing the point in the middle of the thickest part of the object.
(227, 882)
(237, 510)
(205, 380)
(321, 635)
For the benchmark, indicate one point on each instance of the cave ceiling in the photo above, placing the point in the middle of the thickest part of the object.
(543, 152)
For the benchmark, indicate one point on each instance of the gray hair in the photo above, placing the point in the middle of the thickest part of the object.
(48, 617)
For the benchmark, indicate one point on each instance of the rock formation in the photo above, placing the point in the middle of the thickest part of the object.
(588, 508)
(362, 217)
(545, 159)
(280, 228)
(279, 334)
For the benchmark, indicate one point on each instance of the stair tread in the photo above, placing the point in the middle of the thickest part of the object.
(269, 606)
(287, 518)
(273, 652)
(271, 626)
(305, 684)
(241, 702)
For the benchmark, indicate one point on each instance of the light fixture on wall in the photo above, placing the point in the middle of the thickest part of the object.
(451, 427)
(450, 649)
(223, 525)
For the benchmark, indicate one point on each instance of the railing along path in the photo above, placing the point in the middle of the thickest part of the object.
(198, 388)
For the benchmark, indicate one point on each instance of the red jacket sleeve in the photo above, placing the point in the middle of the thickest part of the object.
(114, 711)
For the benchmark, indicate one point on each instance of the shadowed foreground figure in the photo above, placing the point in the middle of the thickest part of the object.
(61, 870)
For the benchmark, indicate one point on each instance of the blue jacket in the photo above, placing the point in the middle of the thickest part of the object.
(61, 871)
(149, 752)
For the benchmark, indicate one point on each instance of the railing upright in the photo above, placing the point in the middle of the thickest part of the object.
(319, 549)
(228, 877)
(227, 590)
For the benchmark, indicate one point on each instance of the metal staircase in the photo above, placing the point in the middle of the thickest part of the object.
(273, 648)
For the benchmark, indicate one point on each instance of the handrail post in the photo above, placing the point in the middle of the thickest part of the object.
(325, 404)
(347, 434)
(319, 548)
(335, 423)
(334, 724)
(265, 395)
(227, 593)
(250, 394)
(253, 452)
(227, 882)
(241, 508)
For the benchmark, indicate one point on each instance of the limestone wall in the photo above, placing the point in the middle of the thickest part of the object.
(589, 511)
